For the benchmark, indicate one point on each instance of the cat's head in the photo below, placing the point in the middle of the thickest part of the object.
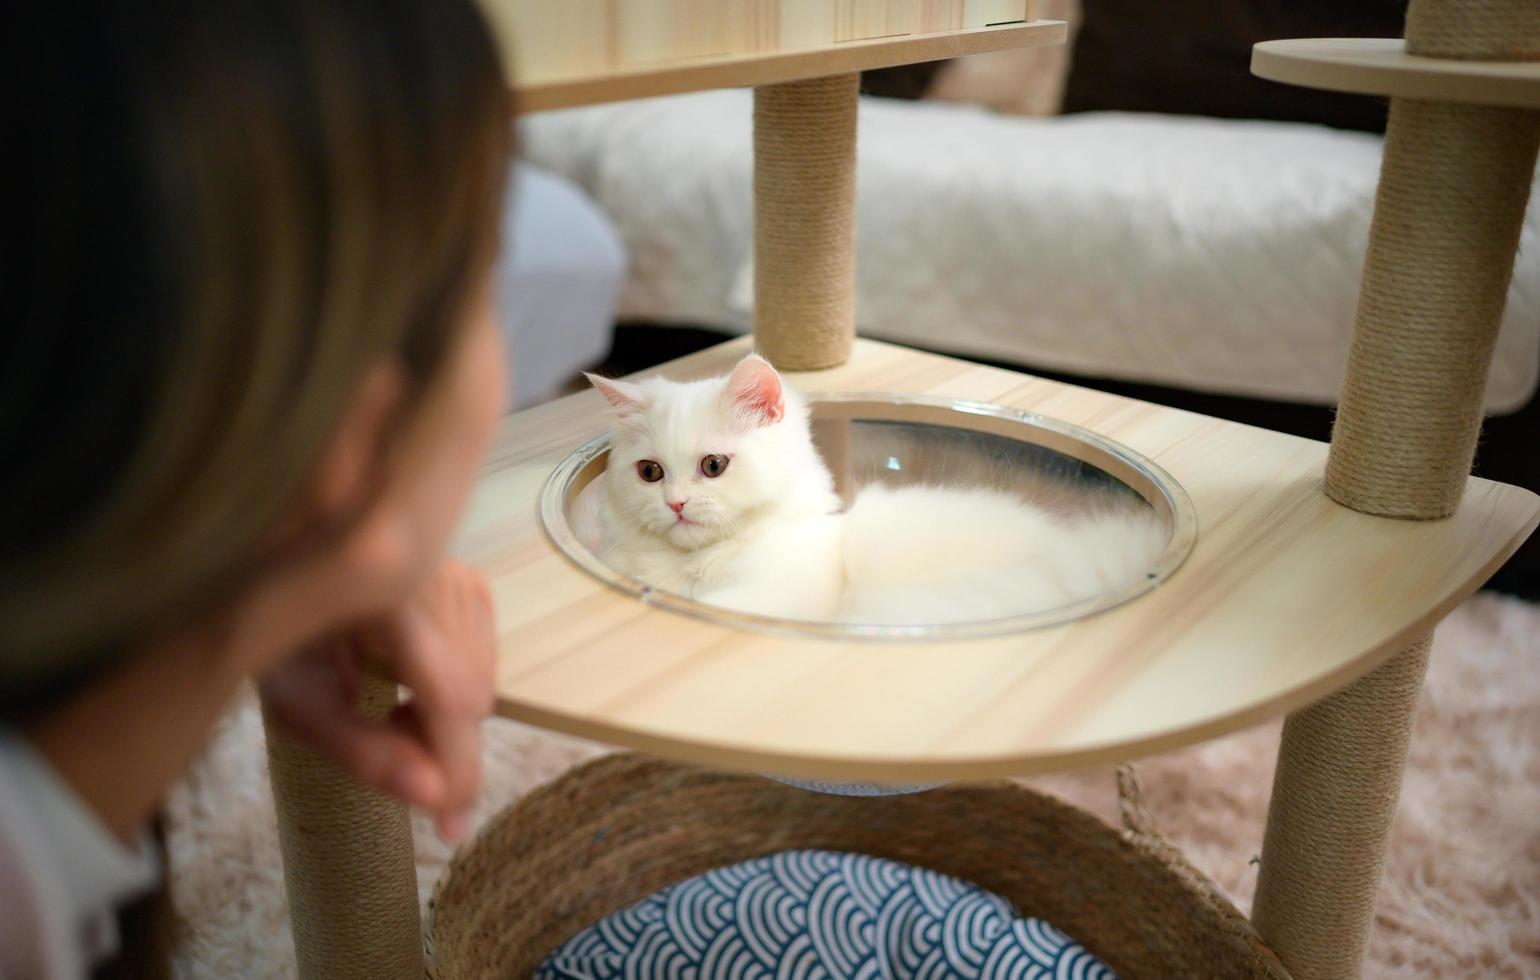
(693, 462)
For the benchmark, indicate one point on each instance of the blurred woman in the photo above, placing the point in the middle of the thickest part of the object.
(249, 373)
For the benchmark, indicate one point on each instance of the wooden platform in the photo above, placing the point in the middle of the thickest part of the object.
(1374, 66)
(1286, 597)
(566, 53)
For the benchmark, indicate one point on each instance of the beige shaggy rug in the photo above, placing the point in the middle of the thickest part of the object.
(1461, 899)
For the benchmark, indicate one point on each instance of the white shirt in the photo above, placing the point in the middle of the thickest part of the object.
(62, 874)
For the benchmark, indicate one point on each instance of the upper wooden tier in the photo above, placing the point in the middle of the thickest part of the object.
(1286, 597)
(1375, 66)
(564, 53)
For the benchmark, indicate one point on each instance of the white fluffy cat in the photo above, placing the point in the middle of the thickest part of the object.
(714, 490)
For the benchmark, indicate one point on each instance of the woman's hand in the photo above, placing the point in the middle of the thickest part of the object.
(440, 645)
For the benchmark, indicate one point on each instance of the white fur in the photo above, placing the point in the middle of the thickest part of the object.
(766, 535)
(970, 554)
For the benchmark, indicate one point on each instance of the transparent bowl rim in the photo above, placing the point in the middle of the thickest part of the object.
(1142, 474)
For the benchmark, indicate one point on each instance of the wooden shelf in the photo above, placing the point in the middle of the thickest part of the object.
(552, 71)
(1373, 66)
(1286, 597)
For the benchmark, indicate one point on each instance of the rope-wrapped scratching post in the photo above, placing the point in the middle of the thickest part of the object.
(1453, 186)
(804, 221)
(1328, 827)
(1477, 30)
(348, 863)
(1454, 183)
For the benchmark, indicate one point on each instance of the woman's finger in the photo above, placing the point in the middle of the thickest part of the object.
(311, 701)
(448, 702)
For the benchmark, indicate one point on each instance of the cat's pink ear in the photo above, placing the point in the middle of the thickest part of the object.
(755, 390)
(626, 397)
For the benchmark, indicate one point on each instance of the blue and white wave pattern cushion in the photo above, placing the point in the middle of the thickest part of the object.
(855, 789)
(820, 915)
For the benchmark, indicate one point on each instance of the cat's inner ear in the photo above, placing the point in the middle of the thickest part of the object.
(755, 390)
(626, 397)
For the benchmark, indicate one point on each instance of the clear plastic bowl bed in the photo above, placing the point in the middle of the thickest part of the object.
(905, 439)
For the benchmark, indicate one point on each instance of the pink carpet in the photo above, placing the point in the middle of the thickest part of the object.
(1461, 897)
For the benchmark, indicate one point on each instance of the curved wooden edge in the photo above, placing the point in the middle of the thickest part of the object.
(1374, 66)
(724, 755)
(671, 78)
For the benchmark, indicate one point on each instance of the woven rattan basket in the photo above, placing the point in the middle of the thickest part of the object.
(609, 833)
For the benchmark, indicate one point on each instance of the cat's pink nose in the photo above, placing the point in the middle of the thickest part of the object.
(677, 506)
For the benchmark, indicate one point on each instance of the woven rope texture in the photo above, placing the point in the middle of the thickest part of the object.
(804, 221)
(348, 863)
(608, 834)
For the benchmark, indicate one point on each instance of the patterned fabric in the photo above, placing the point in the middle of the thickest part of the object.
(854, 789)
(817, 915)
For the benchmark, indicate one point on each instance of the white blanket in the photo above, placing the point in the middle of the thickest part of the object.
(1218, 255)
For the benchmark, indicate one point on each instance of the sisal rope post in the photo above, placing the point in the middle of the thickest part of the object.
(1453, 187)
(1328, 826)
(1454, 183)
(804, 221)
(348, 862)
(1476, 30)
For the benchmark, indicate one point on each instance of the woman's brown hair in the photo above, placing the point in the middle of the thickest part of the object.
(227, 210)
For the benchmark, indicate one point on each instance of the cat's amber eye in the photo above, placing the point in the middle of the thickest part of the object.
(649, 470)
(713, 465)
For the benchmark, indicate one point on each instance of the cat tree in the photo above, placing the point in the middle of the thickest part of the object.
(1294, 600)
